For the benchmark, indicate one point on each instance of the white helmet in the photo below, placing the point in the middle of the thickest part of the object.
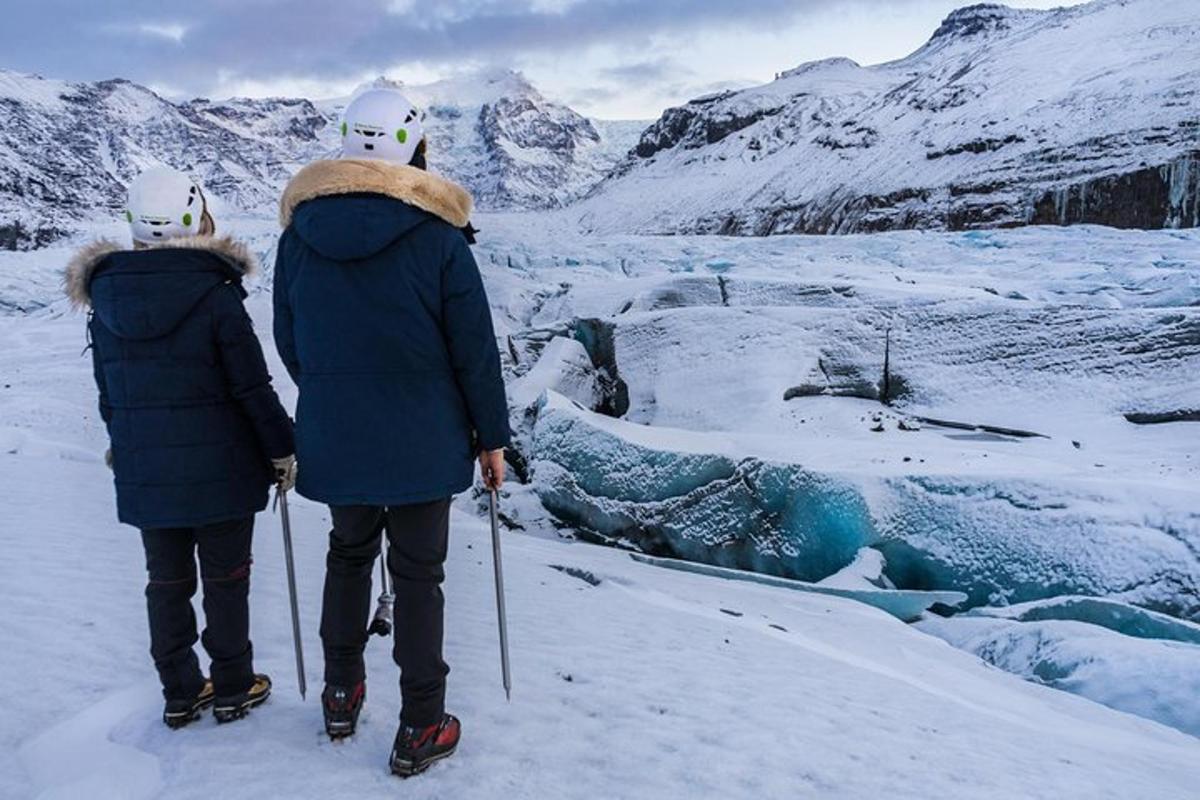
(164, 204)
(383, 124)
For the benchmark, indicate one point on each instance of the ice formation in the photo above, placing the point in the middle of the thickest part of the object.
(1153, 678)
(999, 538)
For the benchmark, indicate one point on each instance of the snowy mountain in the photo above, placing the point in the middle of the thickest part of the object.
(1004, 117)
(67, 150)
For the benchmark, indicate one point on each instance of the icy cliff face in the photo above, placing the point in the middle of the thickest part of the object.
(67, 150)
(998, 537)
(1005, 117)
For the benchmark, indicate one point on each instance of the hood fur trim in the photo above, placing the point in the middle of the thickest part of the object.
(426, 191)
(78, 275)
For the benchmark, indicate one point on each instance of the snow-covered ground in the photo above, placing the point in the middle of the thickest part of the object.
(636, 681)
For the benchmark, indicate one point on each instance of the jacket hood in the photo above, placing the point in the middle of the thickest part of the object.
(351, 209)
(144, 294)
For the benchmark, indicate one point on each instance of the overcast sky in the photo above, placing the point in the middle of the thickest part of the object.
(608, 58)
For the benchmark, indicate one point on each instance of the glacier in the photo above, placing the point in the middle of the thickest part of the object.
(947, 400)
(890, 415)
(736, 501)
(843, 411)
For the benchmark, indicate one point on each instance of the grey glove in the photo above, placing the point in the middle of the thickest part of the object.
(108, 458)
(285, 472)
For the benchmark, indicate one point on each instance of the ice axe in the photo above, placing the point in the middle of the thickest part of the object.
(281, 501)
(381, 623)
(501, 616)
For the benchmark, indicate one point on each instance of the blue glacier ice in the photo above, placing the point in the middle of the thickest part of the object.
(742, 513)
(1153, 678)
(999, 538)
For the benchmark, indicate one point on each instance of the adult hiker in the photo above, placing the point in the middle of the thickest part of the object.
(197, 433)
(382, 320)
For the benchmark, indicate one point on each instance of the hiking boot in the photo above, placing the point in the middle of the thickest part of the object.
(416, 748)
(342, 705)
(178, 713)
(227, 709)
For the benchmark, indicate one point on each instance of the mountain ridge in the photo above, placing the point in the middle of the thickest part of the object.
(1004, 117)
(68, 149)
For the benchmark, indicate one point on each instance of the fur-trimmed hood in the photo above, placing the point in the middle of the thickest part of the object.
(419, 188)
(77, 277)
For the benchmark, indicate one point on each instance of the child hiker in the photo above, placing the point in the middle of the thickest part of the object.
(198, 435)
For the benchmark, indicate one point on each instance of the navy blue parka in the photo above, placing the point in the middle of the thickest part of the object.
(382, 320)
(184, 389)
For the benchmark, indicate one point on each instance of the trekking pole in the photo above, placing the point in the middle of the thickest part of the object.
(381, 623)
(281, 500)
(503, 620)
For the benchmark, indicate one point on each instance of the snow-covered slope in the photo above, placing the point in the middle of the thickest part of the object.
(1081, 114)
(630, 681)
(67, 150)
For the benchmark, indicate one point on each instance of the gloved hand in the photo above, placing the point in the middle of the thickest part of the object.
(285, 472)
(108, 458)
(491, 468)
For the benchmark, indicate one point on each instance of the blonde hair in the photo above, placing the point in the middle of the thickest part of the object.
(208, 226)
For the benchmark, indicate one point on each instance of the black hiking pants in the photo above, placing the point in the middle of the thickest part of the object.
(224, 551)
(417, 536)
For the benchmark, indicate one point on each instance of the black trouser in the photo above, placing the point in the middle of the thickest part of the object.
(224, 550)
(417, 536)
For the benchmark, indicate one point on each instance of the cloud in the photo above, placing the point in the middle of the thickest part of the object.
(172, 30)
(305, 39)
(629, 56)
(592, 96)
(169, 31)
(656, 70)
